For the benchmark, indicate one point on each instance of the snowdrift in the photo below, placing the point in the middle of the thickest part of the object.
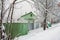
(49, 34)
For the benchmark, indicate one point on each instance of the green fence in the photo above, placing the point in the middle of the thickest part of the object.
(16, 29)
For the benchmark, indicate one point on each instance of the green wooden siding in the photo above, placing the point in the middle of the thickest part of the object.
(17, 28)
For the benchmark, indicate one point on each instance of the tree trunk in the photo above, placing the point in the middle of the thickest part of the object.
(45, 23)
(10, 36)
(1, 20)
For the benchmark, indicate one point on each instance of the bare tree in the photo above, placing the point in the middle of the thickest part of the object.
(1, 20)
(45, 23)
(2, 15)
(47, 7)
(2, 37)
(9, 36)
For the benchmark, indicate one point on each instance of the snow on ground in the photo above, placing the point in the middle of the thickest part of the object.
(52, 33)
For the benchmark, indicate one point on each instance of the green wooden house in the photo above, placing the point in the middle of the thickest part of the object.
(18, 29)
(30, 17)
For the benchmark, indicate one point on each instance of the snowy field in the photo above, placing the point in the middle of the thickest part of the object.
(52, 33)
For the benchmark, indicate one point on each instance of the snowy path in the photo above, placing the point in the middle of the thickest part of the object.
(49, 34)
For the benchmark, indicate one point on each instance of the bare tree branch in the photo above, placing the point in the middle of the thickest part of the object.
(10, 5)
(20, 1)
(12, 9)
(9, 13)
